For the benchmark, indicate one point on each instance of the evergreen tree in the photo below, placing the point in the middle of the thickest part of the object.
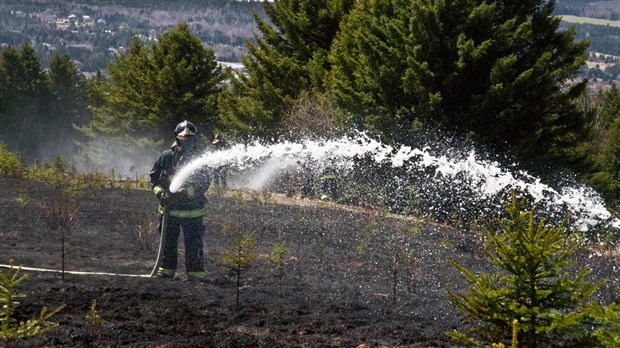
(604, 110)
(68, 106)
(188, 80)
(530, 284)
(25, 92)
(608, 319)
(9, 70)
(368, 61)
(289, 57)
(494, 70)
(153, 88)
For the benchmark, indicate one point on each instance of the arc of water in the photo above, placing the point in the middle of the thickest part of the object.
(488, 177)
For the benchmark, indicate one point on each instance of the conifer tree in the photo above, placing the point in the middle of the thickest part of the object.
(187, 79)
(607, 318)
(531, 284)
(495, 70)
(153, 87)
(42, 106)
(9, 70)
(605, 145)
(289, 57)
(25, 92)
(68, 104)
(368, 61)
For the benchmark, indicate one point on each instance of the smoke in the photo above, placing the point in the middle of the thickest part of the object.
(48, 149)
(123, 157)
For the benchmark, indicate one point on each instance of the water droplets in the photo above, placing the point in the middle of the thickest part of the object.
(429, 180)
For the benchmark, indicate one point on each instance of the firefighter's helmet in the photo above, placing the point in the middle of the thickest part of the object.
(185, 129)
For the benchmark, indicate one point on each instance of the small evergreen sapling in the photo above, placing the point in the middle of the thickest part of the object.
(94, 319)
(240, 253)
(277, 255)
(11, 329)
(530, 285)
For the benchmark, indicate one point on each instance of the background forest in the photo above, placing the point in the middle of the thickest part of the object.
(103, 83)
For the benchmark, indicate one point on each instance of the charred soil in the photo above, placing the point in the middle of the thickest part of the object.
(348, 277)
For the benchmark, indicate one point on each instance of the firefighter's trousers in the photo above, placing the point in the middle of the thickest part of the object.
(193, 232)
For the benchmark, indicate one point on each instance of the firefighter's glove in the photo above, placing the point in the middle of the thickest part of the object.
(163, 197)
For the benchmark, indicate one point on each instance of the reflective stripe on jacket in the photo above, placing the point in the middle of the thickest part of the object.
(188, 214)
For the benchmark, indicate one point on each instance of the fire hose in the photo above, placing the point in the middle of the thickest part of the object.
(164, 222)
(34, 269)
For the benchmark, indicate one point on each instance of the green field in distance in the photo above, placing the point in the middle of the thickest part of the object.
(586, 20)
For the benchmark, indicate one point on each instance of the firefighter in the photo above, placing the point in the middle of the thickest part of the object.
(329, 188)
(185, 208)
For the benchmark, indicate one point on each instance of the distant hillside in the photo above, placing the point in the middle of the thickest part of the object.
(603, 9)
(599, 23)
(92, 32)
(603, 66)
(588, 20)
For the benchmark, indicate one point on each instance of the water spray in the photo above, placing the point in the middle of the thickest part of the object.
(485, 179)
(245, 156)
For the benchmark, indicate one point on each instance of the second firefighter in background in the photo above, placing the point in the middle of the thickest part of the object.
(220, 173)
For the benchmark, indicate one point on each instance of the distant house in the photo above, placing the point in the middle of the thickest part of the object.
(102, 21)
(86, 19)
(145, 38)
(72, 17)
(49, 46)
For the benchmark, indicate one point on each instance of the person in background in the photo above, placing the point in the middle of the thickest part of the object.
(185, 208)
(306, 173)
(329, 188)
(220, 173)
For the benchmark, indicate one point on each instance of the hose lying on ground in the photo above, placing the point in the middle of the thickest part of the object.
(164, 221)
(33, 269)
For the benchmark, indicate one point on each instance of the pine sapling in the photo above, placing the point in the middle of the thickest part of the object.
(402, 263)
(11, 163)
(277, 255)
(60, 211)
(94, 319)
(240, 252)
(607, 323)
(530, 284)
(11, 329)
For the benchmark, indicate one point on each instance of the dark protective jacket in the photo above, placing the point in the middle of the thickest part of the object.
(188, 204)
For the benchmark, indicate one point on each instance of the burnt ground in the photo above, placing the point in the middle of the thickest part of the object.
(350, 278)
